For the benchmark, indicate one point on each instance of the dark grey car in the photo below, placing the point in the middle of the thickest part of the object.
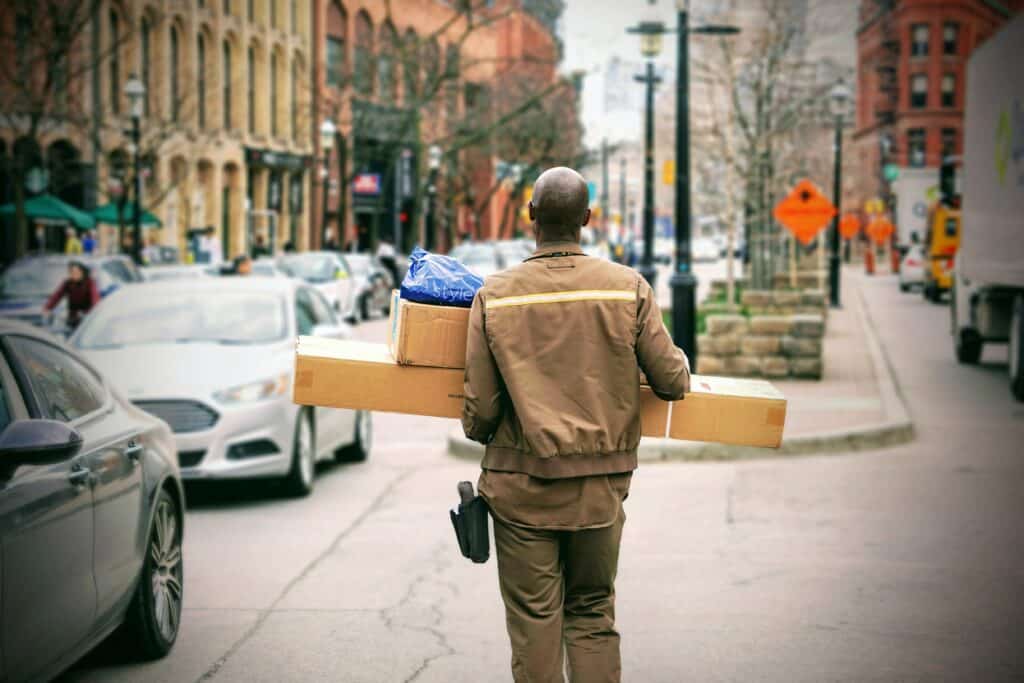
(91, 512)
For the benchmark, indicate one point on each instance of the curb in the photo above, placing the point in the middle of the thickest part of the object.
(896, 429)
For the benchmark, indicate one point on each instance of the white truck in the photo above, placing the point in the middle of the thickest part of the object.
(915, 190)
(988, 282)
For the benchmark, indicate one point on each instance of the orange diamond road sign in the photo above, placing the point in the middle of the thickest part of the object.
(849, 226)
(804, 211)
(880, 229)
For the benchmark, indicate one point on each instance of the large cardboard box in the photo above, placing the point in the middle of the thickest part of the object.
(361, 375)
(421, 334)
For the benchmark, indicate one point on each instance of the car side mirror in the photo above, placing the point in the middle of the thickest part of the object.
(38, 442)
(331, 331)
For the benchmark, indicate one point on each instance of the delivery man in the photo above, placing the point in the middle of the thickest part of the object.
(553, 360)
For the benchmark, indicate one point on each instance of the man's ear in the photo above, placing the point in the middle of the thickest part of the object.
(532, 211)
(586, 217)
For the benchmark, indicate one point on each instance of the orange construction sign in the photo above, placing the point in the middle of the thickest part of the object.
(805, 211)
(880, 230)
(849, 226)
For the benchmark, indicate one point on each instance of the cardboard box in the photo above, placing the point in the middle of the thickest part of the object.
(361, 375)
(422, 334)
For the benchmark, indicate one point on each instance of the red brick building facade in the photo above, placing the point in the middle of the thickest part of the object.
(911, 68)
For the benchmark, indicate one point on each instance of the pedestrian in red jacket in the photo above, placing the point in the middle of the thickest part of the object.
(80, 290)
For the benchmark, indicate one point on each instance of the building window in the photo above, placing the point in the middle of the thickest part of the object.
(201, 79)
(386, 80)
(23, 37)
(431, 68)
(251, 89)
(250, 10)
(948, 142)
(363, 75)
(273, 13)
(175, 83)
(273, 94)
(915, 147)
(293, 8)
(144, 47)
(918, 91)
(293, 98)
(451, 74)
(919, 40)
(337, 28)
(411, 66)
(226, 7)
(226, 87)
(949, 90)
(115, 64)
(950, 34)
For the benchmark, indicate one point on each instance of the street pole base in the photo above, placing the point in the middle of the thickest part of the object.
(684, 314)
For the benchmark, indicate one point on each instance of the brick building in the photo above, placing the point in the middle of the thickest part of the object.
(911, 66)
(395, 79)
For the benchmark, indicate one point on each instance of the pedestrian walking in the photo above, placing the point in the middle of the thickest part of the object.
(89, 242)
(553, 360)
(72, 245)
(80, 291)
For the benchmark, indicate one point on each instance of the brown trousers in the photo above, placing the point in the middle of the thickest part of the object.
(559, 593)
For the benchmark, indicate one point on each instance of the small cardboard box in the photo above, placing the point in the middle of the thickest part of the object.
(422, 334)
(361, 375)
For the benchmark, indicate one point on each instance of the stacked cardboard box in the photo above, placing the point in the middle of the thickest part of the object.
(420, 372)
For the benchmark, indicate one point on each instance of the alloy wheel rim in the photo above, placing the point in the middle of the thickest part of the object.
(165, 555)
(305, 452)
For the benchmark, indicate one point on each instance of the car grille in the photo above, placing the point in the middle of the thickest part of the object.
(182, 416)
(190, 458)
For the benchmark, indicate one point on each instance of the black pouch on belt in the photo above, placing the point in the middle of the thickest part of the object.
(470, 522)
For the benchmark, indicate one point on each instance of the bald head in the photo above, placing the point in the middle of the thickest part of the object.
(559, 205)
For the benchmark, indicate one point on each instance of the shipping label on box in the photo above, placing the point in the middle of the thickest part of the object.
(421, 334)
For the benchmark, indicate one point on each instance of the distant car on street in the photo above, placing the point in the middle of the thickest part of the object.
(704, 250)
(213, 358)
(480, 257)
(179, 271)
(91, 512)
(372, 285)
(28, 282)
(912, 268)
(328, 273)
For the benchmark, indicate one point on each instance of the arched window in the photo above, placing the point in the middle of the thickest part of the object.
(175, 76)
(363, 75)
(144, 48)
(115, 63)
(337, 56)
(201, 79)
(226, 85)
(251, 88)
(451, 86)
(293, 10)
(386, 80)
(431, 68)
(293, 99)
(411, 67)
(273, 94)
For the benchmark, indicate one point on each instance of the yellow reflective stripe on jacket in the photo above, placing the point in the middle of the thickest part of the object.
(562, 297)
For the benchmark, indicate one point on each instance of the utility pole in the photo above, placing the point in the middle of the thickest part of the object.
(646, 269)
(840, 98)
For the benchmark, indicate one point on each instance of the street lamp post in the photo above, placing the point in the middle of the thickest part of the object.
(683, 282)
(434, 165)
(840, 99)
(650, 46)
(135, 91)
(327, 133)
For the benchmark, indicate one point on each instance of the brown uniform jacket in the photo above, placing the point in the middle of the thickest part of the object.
(553, 355)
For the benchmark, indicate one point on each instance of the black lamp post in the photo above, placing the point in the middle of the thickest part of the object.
(839, 100)
(327, 133)
(434, 165)
(135, 91)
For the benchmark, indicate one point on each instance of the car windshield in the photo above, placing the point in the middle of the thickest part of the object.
(32, 280)
(311, 268)
(185, 317)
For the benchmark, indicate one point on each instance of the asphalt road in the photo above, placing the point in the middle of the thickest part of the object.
(898, 565)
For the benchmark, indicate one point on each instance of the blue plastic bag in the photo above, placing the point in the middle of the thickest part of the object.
(439, 280)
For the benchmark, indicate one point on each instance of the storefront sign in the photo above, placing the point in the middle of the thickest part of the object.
(367, 184)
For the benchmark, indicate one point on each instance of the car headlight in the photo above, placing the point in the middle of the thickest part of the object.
(255, 391)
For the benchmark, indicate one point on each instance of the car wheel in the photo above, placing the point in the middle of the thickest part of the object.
(359, 449)
(364, 307)
(299, 480)
(155, 611)
(1017, 349)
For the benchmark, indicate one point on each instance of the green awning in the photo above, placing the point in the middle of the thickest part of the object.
(47, 208)
(108, 214)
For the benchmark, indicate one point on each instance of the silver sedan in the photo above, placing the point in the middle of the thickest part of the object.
(213, 358)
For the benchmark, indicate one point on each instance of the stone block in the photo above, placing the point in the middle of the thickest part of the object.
(800, 347)
(787, 298)
(806, 368)
(728, 345)
(808, 325)
(775, 366)
(721, 324)
(759, 345)
(710, 365)
(770, 324)
(740, 366)
(813, 297)
(756, 297)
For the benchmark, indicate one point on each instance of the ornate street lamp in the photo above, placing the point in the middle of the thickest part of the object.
(839, 103)
(327, 134)
(434, 156)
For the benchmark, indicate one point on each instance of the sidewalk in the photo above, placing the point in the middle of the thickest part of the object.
(855, 406)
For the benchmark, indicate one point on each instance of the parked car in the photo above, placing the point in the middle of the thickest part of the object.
(174, 272)
(372, 285)
(912, 268)
(213, 358)
(28, 283)
(480, 257)
(328, 273)
(91, 512)
(704, 249)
